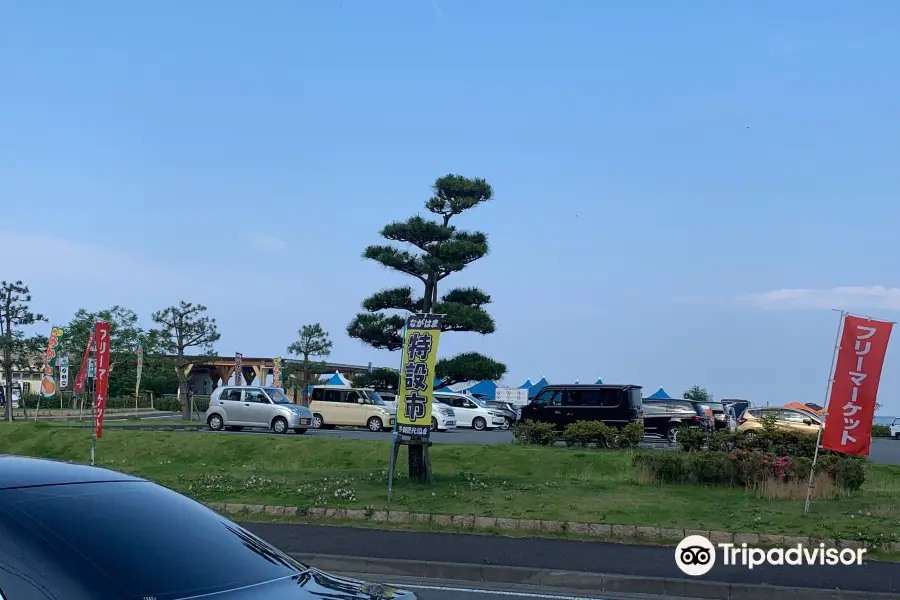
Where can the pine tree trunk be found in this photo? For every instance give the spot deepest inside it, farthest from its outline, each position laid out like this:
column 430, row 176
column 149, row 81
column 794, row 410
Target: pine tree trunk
column 417, row 470
column 183, row 398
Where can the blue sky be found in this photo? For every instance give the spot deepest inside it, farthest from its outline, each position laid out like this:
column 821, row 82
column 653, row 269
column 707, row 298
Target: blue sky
column 660, row 169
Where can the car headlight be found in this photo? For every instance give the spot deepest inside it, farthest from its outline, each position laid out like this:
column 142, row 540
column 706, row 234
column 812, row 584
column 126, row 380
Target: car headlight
column 445, row 411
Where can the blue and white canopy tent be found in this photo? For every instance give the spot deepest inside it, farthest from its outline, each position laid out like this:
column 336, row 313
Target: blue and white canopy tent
column 598, row 382
column 336, row 379
column 483, row 389
column 533, row 390
column 526, row 385
column 659, row 394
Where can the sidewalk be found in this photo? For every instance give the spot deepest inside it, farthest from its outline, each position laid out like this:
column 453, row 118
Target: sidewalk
column 543, row 554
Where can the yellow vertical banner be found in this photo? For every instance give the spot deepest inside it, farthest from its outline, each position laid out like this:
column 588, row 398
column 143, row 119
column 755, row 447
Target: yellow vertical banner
column 416, row 394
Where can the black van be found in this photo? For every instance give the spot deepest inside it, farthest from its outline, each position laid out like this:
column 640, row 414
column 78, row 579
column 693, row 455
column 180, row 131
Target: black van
column 615, row 405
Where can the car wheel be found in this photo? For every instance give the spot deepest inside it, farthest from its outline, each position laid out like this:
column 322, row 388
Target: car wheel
column 215, row 422
column 672, row 434
column 749, row 435
column 279, row 425
column 300, row 430
column 318, row 422
column 434, row 424
column 506, row 424
column 375, row 424
column 479, row 424
column 897, row 436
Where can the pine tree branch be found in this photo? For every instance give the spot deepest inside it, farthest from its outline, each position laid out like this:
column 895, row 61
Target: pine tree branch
column 398, row 260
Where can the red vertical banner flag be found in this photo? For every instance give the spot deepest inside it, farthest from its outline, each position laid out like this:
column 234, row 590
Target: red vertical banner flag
column 82, row 372
column 101, row 387
column 857, row 373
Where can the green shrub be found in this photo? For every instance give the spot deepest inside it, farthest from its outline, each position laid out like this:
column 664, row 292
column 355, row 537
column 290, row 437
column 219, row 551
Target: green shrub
column 665, row 467
column 847, row 471
column 529, row 433
column 692, row 439
column 722, row 441
column 779, row 441
column 710, row 468
column 590, row 433
column 631, row 435
column 881, row 431
column 745, row 468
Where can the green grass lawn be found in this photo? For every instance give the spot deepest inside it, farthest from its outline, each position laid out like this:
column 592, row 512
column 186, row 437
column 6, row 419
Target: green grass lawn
column 504, row 481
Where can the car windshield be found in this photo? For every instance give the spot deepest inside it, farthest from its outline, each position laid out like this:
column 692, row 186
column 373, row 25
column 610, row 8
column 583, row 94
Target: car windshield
column 373, row 397
column 810, row 415
column 478, row 401
column 716, row 407
column 278, row 396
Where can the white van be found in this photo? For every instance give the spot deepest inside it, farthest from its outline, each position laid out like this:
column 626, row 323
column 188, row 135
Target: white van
column 470, row 411
column 333, row 405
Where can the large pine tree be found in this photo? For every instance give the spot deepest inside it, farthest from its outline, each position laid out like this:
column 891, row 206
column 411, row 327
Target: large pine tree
column 442, row 250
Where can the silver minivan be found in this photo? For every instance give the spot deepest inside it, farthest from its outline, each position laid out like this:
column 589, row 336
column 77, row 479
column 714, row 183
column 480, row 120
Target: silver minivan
column 239, row 406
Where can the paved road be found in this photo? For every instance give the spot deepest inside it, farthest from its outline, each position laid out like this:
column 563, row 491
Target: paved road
column 439, row 589
column 571, row 555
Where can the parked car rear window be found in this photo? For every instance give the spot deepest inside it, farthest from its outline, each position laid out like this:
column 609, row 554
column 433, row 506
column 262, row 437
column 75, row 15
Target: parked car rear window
column 148, row 540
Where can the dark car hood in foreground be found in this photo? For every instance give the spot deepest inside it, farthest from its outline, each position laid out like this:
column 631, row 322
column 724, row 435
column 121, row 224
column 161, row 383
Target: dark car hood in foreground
column 314, row 584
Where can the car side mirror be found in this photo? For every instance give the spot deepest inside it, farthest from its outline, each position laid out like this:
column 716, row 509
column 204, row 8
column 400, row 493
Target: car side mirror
column 808, row 421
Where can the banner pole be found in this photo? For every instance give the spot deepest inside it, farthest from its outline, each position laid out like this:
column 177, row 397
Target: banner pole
column 93, row 404
column 395, row 431
column 40, row 384
column 812, row 469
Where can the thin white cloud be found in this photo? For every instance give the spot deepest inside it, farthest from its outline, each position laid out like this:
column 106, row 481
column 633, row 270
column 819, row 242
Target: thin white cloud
column 265, row 242
column 64, row 275
column 437, row 9
column 875, row 297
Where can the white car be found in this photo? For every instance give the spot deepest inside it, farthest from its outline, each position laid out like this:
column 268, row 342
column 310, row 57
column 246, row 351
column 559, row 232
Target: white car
column 895, row 429
column 471, row 412
column 442, row 416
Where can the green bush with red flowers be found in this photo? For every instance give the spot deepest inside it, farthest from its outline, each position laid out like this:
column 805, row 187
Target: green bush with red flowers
column 746, row 468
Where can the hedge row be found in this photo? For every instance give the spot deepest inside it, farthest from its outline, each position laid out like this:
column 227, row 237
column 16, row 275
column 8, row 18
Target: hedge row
column 779, row 442
column 165, row 403
column 881, row 431
column 581, row 433
column 746, row 468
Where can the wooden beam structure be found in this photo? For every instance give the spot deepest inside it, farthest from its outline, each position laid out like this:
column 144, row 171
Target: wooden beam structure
column 222, row 367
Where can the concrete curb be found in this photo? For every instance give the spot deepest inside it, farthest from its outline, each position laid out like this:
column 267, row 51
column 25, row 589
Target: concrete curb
column 664, row 536
column 577, row 580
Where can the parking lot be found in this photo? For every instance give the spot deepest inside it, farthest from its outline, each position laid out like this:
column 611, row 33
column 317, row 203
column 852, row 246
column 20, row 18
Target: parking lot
column 884, row 450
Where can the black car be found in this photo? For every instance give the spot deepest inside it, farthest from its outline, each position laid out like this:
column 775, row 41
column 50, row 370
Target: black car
column 615, row 405
column 666, row 417
column 73, row 532
column 703, row 412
